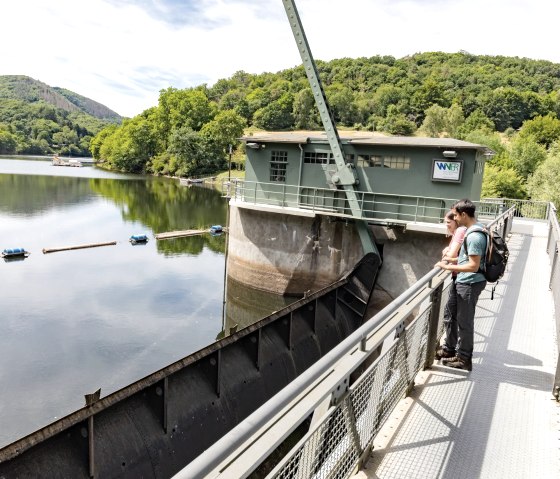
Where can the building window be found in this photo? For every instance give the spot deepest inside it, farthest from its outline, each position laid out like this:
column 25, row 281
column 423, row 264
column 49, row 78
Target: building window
column 371, row 161
column 396, row 162
column 478, row 167
column 323, row 158
column 376, row 161
column 278, row 163
column 320, row 158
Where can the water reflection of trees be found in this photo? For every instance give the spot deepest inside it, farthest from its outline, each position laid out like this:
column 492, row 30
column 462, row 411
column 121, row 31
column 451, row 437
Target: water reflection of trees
column 160, row 204
column 163, row 205
column 192, row 244
column 30, row 195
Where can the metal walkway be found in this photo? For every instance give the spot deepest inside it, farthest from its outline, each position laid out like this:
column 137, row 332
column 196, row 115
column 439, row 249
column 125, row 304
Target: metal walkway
column 501, row 420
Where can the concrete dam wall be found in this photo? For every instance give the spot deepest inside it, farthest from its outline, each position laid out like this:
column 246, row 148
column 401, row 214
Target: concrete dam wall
column 288, row 254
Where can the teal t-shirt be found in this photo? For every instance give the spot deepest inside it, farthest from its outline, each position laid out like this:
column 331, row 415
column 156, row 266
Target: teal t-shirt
column 477, row 247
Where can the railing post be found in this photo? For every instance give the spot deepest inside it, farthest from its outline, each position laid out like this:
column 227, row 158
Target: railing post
column 314, row 198
column 553, row 266
column 556, row 387
column 362, row 194
column 433, row 326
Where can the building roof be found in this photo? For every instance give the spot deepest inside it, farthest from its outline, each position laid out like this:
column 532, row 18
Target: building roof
column 361, row 138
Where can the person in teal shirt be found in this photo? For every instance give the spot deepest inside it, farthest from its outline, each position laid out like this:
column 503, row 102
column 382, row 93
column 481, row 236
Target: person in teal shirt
column 457, row 350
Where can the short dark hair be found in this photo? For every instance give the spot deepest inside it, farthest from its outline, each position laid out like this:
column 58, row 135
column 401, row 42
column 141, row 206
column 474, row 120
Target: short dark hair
column 465, row 206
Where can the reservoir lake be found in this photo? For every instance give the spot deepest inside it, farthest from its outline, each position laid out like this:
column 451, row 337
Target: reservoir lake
column 75, row 321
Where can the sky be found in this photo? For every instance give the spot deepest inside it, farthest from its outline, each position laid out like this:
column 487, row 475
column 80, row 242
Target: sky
column 121, row 53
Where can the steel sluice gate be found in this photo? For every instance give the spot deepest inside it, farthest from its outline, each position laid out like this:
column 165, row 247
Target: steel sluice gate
column 157, row 425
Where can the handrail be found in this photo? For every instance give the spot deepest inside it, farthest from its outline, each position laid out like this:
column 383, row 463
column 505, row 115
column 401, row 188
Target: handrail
column 360, row 346
column 373, row 206
column 553, row 249
column 214, row 455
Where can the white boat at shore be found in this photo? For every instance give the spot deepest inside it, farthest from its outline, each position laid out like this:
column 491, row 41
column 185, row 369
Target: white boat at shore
column 190, row 181
column 57, row 161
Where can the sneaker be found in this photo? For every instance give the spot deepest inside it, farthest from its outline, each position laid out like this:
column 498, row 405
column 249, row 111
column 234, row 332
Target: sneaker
column 442, row 353
column 458, row 362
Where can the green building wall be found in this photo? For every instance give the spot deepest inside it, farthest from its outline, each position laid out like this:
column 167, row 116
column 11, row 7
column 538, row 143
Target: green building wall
column 415, row 181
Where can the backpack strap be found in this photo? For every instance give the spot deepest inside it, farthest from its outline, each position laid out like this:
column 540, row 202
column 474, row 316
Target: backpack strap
column 488, row 244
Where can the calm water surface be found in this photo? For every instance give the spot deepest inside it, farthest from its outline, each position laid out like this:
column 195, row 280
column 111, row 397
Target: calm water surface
column 75, row 321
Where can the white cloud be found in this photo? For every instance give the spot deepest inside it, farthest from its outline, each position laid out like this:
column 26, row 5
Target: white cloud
column 121, row 53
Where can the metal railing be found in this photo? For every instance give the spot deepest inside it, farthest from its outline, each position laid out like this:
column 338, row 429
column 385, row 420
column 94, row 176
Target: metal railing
column 342, row 400
column 538, row 210
column 380, row 207
column 554, row 283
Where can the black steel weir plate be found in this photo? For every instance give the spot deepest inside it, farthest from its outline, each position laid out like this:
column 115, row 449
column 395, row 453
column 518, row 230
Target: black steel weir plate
column 156, row 426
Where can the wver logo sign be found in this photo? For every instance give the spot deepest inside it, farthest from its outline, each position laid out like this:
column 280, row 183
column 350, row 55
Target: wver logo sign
column 446, row 170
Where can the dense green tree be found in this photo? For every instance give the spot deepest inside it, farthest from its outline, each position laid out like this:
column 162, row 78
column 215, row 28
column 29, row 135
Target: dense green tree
column 99, row 139
column 476, row 121
column 8, row 141
column 277, row 115
column 509, row 107
column 194, row 153
column 385, row 96
column 397, row 123
column 526, row 155
column 545, row 130
column 178, row 108
column 341, row 101
column 225, row 129
column 543, row 185
column 502, row 183
column 454, row 120
column 435, row 122
column 305, row 113
column 458, row 95
column 431, row 92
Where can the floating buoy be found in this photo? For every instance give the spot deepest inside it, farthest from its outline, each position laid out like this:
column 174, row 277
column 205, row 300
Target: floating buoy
column 15, row 252
column 135, row 239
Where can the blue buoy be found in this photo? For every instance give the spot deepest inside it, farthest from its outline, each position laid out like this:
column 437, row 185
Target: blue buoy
column 216, row 229
column 13, row 252
column 135, row 239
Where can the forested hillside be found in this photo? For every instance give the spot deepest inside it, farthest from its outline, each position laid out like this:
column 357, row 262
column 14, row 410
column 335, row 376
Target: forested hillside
column 509, row 104
column 38, row 119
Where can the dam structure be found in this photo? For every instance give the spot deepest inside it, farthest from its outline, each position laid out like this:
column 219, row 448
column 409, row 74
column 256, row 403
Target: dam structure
column 304, row 214
column 345, row 223
column 378, row 406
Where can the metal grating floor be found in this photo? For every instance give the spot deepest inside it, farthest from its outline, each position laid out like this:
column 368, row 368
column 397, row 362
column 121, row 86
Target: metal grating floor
column 501, row 420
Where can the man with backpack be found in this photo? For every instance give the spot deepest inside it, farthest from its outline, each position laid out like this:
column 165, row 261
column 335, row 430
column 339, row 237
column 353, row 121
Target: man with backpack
column 465, row 290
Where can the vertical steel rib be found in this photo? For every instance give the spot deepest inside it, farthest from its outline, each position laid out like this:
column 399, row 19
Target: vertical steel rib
column 345, row 176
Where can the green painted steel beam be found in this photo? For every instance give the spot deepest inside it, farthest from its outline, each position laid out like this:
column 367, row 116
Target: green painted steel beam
column 345, row 177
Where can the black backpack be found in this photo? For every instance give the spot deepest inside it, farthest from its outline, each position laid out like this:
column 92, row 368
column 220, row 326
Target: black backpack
column 496, row 258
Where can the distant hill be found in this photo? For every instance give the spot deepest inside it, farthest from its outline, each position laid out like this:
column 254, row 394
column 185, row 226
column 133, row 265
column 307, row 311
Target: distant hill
column 38, row 119
column 20, row 87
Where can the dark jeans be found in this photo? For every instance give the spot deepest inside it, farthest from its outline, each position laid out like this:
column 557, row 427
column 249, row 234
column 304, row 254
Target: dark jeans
column 458, row 317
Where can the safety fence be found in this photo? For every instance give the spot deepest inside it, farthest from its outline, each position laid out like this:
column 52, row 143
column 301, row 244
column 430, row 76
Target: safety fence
column 340, row 403
column 554, row 283
column 538, row 210
column 378, row 207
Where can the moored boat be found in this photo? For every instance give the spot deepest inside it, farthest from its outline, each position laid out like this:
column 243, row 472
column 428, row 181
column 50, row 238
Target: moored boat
column 57, row 161
column 190, row 181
